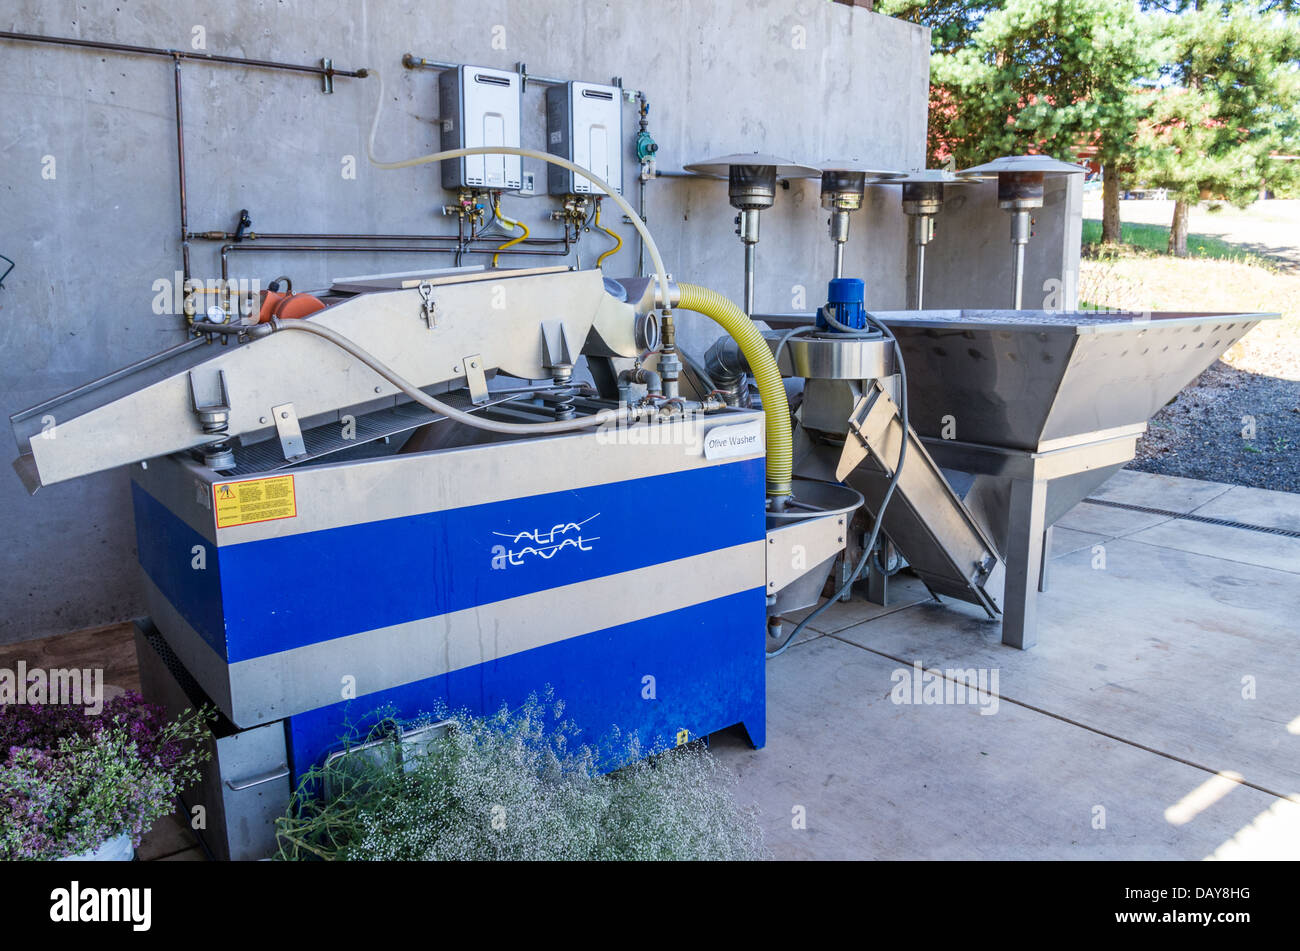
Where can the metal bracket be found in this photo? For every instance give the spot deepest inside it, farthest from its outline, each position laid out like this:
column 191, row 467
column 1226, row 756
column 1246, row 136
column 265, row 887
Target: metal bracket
column 286, row 424
column 476, row 378
column 215, row 417
column 215, row 420
column 428, row 308
column 327, row 77
column 556, row 351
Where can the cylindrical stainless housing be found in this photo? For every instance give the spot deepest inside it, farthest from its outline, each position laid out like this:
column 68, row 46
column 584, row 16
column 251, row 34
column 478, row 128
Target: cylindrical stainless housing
column 751, row 186
column 843, row 190
column 1020, row 190
column 922, row 198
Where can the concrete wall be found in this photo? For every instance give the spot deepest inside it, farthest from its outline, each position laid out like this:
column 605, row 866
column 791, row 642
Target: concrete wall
column 89, row 208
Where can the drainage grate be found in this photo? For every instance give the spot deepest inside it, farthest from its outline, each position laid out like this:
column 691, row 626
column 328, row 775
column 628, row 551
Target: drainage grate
column 1189, row 517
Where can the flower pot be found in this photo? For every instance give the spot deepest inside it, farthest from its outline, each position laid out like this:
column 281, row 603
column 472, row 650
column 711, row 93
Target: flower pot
column 118, row 849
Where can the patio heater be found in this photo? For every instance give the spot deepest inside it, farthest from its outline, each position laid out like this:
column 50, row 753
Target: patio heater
column 844, row 183
column 923, row 192
column 1020, row 190
column 751, row 187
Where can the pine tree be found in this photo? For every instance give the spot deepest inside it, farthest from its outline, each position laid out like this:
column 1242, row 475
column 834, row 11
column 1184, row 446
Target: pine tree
column 1227, row 109
column 1048, row 76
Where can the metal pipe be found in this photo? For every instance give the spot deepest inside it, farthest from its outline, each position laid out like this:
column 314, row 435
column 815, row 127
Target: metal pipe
column 749, row 278
column 918, row 287
column 411, row 61
column 180, row 174
column 228, row 249
column 640, row 245
column 726, row 366
column 1018, row 277
column 338, row 236
column 747, row 227
column 921, row 223
column 1020, row 233
column 326, row 71
column 652, row 380
column 839, row 231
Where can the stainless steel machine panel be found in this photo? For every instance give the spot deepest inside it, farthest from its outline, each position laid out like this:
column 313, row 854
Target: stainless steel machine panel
column 98, row 425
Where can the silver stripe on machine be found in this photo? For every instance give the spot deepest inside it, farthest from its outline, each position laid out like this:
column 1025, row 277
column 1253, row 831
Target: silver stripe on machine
column 311, row 676
column 414, row 484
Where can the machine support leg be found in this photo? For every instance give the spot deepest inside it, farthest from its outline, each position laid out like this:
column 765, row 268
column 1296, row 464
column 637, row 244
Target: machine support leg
column 843, row 569
column 877, row 585
column 1024, row 557
column 1047, row 558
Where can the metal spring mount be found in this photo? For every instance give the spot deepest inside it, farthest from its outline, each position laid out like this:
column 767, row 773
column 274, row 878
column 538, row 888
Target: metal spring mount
column 215, row 420
column 564, row 407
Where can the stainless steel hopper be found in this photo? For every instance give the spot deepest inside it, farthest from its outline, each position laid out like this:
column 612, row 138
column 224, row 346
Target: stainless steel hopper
column 1035, row 409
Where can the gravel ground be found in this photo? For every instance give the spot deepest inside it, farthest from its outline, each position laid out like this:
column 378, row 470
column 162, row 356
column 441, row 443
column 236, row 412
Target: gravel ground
column 1200, row 434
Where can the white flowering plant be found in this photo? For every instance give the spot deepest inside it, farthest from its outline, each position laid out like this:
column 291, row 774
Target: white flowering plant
column 516, row 786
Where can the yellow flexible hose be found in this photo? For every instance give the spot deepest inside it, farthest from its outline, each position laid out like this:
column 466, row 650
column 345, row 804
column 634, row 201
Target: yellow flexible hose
column 776, row 408
column 618, row 241
column 509, row 223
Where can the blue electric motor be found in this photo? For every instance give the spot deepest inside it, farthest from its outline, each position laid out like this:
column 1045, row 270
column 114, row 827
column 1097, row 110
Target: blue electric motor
column 845, row 303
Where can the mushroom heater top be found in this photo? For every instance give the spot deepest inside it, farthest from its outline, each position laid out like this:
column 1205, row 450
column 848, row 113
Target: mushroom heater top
column 844, row 184
column 1021, row 180
column 751, row 186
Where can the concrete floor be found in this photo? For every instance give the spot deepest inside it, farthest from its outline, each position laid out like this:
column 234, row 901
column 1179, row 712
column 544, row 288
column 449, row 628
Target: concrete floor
column 1158, row 717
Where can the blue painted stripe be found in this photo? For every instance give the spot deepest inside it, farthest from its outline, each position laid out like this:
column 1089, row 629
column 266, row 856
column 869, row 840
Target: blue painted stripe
column 166, row 546
column 706, row 660
column 287, row 592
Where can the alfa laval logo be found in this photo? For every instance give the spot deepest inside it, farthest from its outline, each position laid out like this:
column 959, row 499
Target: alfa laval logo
column 541, row 543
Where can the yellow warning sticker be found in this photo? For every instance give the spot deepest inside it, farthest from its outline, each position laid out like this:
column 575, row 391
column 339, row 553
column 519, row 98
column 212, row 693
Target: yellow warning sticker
column 257, row 500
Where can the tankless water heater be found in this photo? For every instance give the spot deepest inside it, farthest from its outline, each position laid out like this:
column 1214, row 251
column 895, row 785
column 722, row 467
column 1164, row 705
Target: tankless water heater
column 584, row 123
column 480, row 106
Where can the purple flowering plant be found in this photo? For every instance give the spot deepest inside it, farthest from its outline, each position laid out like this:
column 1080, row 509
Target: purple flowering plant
column 70, row 781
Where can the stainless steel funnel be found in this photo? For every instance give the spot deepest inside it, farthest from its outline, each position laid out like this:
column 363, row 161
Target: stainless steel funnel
column 1029, row 411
